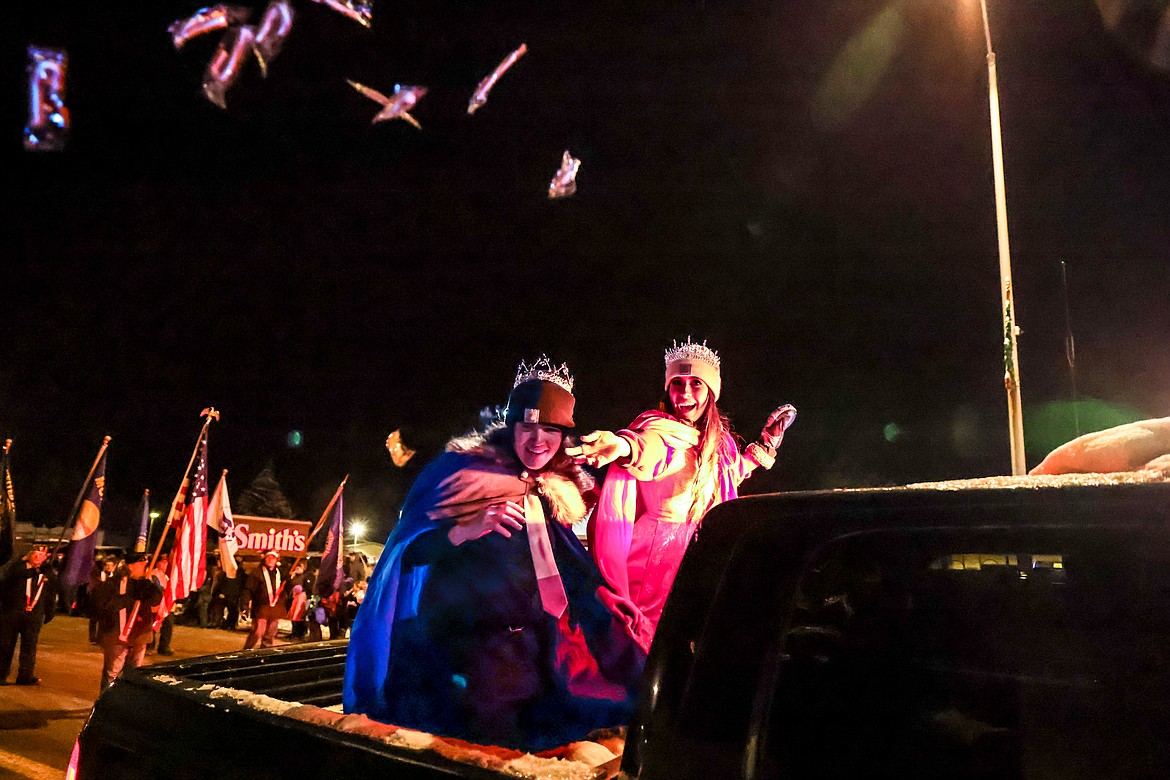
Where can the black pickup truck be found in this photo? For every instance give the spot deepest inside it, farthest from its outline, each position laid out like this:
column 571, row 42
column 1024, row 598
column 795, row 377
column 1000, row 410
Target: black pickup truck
column 1007, row 627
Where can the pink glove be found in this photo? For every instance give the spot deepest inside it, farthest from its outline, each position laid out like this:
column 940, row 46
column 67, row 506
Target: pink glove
column 777, row 424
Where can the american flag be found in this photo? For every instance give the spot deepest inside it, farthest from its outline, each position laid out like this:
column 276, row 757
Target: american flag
column 188, row 562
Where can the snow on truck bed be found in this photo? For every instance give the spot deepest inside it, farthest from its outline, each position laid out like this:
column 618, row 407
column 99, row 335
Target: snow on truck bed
column 577, row 761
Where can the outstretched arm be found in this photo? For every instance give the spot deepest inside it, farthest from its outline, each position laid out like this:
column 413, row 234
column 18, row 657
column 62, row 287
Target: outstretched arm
column 599, row 448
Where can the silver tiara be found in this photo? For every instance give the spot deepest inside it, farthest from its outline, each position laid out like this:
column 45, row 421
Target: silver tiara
column 692, row 351
column 543, row 369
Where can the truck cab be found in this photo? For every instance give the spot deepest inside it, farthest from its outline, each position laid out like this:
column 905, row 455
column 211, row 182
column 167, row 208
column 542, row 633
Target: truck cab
column 1014, row 627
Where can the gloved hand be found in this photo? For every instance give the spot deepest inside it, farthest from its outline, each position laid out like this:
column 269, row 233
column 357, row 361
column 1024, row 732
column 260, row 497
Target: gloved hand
column 599, row 448
column 778, row 422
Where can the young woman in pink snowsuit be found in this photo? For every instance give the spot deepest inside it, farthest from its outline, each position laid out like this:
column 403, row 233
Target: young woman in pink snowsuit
column 670, row 466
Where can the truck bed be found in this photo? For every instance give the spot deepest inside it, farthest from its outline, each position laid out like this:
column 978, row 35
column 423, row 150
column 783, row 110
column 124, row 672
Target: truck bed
column 284, row 704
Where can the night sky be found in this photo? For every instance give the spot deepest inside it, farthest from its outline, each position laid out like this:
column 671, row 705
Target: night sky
column 806, row 185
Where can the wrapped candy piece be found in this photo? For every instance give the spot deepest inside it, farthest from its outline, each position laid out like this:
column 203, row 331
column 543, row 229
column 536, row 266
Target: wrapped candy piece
column 227, row 63
column 273, row 29
column 205, row 20
column 361, row 11
column 397, row 107
column 48, row 117
column 564, row 182
column 481, row 92
column 238, row 43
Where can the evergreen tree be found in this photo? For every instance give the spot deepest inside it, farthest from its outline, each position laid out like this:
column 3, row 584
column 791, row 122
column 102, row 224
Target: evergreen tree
column 264, row 497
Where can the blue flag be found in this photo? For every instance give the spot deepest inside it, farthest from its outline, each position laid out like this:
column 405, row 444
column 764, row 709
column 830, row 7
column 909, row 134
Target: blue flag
column 79, row 561
column 330, row 574
column 144, row 523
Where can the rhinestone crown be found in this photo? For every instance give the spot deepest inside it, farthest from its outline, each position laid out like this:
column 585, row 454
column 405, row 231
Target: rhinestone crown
column 689, row 350
column 543, row 369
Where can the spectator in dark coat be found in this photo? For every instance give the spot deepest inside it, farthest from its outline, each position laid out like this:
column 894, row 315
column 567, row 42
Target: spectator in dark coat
column 28, row 593
column 203, row 596
column 230, row 592
column 103, row 569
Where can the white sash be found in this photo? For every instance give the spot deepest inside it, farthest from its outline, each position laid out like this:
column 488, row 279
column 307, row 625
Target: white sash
column 273, row 588
column 548, row 578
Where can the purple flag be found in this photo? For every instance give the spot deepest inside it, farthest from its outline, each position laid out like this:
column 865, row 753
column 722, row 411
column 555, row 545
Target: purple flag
column 330, row 574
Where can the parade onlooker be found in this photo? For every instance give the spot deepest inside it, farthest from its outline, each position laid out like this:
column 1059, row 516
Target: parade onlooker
column 337, row 610
column 265, row 589
column 166, row 629
column 28, row 593
column 317, row 617
column 357, row 567
column 231, row 592
column 300, row 582
column 114, row 601
column 103, row 569
column 203, row 596
column 483, row 619
column 354, row 599
column 670, row 466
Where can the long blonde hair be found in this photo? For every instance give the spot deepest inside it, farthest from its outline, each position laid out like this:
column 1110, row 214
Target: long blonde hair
column 714, row 428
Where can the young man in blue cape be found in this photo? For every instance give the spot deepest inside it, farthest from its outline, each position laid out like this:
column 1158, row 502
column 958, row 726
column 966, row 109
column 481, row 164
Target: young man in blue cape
column 486, row 619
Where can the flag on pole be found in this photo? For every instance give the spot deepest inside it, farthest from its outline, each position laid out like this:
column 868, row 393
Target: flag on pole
column 219, row 519
column 7, row 509
column 188, row 562
column 144, row 522
column 79, row 556
column 330, row 574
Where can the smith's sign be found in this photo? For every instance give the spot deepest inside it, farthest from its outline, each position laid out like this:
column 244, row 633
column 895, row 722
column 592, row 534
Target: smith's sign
column 260, row 534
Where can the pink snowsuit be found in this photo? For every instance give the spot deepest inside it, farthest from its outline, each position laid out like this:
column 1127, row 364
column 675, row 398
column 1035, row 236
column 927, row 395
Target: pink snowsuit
column 641, row 528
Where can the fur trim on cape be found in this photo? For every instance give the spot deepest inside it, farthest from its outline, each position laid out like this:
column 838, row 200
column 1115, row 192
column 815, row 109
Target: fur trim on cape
column 565, row 487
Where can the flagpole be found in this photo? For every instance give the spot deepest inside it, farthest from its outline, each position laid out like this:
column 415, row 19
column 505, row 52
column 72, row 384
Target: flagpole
column 145, row 539
column 211, row 413
column 321, row 522
column 80, row 496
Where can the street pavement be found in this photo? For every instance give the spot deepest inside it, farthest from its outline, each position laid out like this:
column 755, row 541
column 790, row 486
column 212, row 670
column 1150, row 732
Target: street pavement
column 39, row 723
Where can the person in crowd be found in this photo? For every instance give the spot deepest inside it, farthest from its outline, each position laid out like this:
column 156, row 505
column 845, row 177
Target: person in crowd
column 72, row 599
column 218, row 609
column 300, row 584
column 352, row 599
column 203, row 596
column 267, row 592
column 28, row 600
column 103, row 569
column 484, row 619
column 337, row 609
column 114, row 601
column 356, row 567
column 166, row 628
column 670, row 467
column 231, row 590
column 316, row 615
